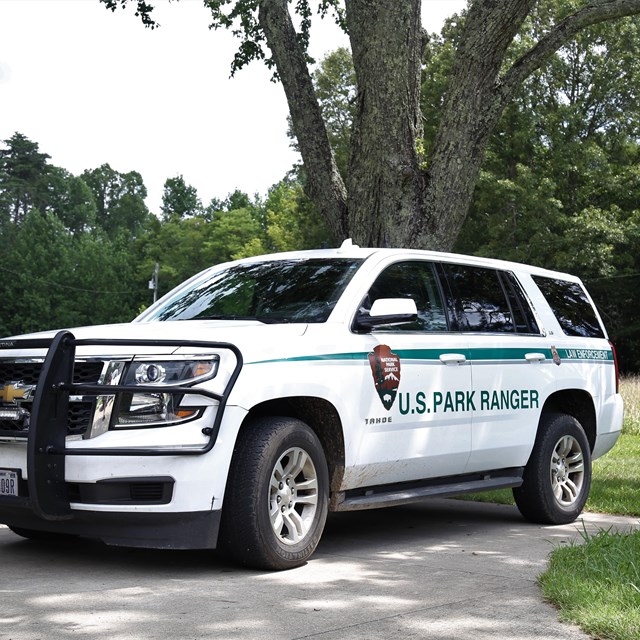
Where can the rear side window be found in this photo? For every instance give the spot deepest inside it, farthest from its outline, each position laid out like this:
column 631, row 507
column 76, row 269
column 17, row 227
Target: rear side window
column 572, row 308
column 479, row 299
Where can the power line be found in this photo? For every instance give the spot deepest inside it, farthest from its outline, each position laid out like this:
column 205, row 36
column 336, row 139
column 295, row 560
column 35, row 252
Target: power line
column 623, row 275
column 66, row 286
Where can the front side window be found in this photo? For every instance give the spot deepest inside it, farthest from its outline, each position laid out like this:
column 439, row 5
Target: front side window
column 415, row 280
column 570, row 305
column 277, row 291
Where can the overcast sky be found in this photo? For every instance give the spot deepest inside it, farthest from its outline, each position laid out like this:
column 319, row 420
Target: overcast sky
column 94, row 87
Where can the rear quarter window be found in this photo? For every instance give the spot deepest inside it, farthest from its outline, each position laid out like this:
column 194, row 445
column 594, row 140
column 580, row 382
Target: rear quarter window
column 570, row 305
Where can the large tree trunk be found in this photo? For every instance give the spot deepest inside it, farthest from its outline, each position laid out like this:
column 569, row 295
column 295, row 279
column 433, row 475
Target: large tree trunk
column 391, row 199
column 385, row 181
column 470, row 114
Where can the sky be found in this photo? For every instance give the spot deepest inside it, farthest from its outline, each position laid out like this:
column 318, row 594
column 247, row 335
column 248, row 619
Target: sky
column 94, row 87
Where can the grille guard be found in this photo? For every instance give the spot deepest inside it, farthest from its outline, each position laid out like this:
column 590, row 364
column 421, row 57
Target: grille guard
column 46, row 449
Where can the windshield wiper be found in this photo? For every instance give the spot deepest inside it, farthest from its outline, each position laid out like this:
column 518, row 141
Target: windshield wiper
column 222, row 317
column 262, row 319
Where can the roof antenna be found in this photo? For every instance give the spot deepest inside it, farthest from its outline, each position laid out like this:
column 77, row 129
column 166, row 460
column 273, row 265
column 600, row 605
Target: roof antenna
column 348, row 244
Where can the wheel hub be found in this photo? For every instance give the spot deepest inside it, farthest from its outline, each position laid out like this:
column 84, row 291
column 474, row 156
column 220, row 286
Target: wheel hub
column 285, row 495
column 567, row 471
column 293, row 496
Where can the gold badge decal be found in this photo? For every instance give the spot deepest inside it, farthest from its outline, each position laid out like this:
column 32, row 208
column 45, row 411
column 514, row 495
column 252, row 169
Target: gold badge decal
column 10, row 392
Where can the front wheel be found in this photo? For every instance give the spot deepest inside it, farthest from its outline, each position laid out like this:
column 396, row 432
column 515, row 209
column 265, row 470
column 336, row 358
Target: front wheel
column 557, row 477
column 276, row 500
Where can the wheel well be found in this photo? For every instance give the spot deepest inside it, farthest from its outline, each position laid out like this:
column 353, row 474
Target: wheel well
column 576, row 403
column 322, row 417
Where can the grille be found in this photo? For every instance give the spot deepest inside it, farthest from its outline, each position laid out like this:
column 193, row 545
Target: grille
column 147, row 492
column 80, row 413
column 29, row 372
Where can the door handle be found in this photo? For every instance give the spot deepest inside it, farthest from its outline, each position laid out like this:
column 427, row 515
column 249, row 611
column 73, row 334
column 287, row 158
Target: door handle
column 535, row 357
column 452, row 358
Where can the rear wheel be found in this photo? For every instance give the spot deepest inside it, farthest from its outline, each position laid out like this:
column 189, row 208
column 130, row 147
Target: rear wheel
column 557, row 477
column 276, row 500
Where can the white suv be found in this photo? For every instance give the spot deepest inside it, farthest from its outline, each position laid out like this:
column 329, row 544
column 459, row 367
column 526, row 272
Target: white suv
column 261, row 394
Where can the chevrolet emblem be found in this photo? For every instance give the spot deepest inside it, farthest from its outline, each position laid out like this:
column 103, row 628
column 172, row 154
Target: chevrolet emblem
column 11, row 391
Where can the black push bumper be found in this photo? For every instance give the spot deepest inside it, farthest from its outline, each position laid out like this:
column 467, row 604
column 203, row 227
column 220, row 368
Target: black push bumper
column 48, row 497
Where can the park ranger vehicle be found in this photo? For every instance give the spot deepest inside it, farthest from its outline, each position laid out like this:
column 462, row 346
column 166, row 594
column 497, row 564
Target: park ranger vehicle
column 249, row 402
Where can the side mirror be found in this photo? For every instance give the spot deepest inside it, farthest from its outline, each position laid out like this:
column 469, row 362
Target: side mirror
column 387, row 311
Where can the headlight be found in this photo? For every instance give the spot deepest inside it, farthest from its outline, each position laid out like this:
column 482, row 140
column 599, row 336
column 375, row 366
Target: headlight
column 146, row 409
column 167, row 372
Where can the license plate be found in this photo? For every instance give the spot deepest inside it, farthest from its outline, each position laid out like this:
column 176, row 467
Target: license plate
column 8, row 483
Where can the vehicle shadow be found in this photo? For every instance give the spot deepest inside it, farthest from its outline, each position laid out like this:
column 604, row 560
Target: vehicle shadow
column 432, row 522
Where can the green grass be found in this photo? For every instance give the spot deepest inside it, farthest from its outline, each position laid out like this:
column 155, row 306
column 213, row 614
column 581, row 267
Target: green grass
column 630, row 390
column 597, row 584
column 615, row 487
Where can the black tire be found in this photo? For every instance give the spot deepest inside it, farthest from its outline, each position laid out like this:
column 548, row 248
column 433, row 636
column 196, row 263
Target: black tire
column 277, row 494
column 557, row 477
column 42, row 536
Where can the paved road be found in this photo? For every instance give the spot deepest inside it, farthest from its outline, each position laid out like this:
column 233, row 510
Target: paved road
column 444, row 569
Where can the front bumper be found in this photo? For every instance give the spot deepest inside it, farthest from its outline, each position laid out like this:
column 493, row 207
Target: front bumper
column 48, row 495
column 186, row 530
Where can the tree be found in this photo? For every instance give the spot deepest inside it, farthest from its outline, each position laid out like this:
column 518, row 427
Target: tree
column 557, row 184
column 391, row 195
column 119, row 199
column 179, row 200
column 291, row 220
column 23, row 178
column 71, row 200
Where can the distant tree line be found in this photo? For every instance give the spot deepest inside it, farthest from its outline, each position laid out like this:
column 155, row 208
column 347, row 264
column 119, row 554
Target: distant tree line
column 78, row 250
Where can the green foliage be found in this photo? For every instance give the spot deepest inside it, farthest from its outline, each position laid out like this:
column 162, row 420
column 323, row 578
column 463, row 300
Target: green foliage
column 119, row 199
column 23, row 178
column 558, row 181
column 335, row 85
column 52, row 278
column 179, row 200
column 241, row 18
column 71, row 200
column 292, row 222
column 596, row 584
column 85, row 255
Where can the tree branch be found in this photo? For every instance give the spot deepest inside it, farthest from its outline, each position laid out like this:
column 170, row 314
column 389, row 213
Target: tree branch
column 324, row 183
column 595, row 12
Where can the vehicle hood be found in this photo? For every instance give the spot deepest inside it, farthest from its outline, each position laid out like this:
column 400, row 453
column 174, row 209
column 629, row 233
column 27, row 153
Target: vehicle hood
column 250, row 337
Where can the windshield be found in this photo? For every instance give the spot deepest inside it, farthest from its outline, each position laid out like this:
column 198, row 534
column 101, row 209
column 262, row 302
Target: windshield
column 273, row 292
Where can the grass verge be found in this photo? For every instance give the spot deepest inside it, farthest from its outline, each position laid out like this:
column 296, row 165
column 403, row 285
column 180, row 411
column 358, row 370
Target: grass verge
column 597, row 584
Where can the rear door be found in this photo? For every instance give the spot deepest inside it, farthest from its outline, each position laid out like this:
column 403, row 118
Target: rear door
column 511, row 364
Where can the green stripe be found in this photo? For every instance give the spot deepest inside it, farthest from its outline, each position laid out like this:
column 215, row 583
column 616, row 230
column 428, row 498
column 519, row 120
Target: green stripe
column 473, row 355
column 602, row 355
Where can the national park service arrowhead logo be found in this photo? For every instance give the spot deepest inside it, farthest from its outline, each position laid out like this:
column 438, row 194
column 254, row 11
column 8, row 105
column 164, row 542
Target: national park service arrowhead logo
column 556, row 356
column 385, row 368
